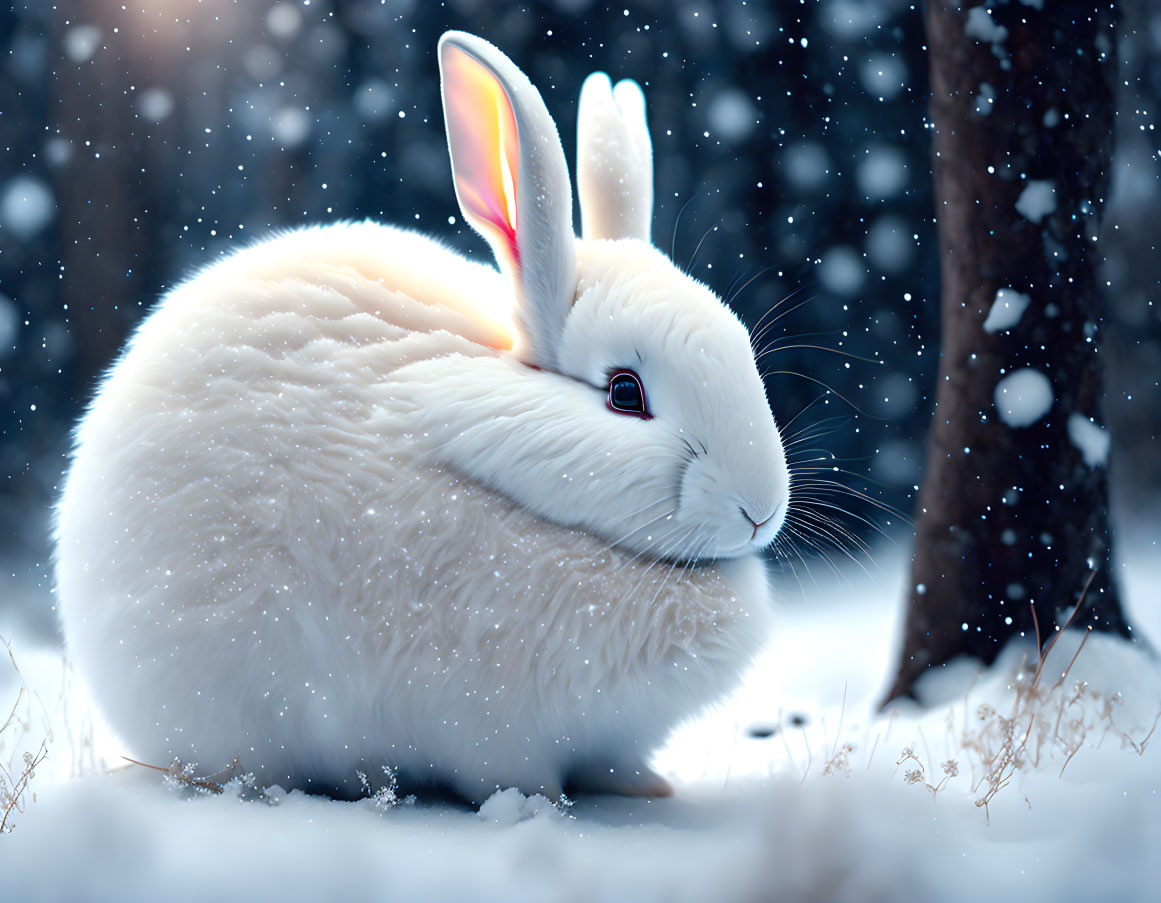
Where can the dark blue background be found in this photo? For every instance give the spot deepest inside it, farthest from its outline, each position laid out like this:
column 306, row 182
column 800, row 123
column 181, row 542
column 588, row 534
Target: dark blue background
column 791, row 146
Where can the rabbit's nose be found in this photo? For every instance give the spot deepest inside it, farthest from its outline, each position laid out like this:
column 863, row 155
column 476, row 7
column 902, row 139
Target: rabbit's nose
column 758, row 525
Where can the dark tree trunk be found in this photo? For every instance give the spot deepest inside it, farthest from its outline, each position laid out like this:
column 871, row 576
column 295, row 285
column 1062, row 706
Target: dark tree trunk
column 1014, row 514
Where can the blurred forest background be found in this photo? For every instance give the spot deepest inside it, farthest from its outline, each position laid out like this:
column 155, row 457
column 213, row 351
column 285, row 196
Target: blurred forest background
column 139, row 141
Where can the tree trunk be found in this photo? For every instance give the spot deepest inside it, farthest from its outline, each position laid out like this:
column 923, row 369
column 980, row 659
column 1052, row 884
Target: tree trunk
column 1013, row 508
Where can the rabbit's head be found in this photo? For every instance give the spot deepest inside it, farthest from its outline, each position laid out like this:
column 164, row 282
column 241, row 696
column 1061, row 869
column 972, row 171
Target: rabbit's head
column 639, row 414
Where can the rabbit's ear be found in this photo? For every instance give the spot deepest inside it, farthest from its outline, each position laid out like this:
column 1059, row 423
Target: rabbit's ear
column 512, row 184
column 614, row 160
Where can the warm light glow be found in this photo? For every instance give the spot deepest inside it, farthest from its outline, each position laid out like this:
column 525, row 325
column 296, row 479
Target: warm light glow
column 485, row 149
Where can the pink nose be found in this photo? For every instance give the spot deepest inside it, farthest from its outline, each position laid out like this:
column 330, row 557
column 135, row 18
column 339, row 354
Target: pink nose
column 757, row 526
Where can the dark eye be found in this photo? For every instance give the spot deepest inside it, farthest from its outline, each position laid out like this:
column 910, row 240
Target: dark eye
column 626, row 395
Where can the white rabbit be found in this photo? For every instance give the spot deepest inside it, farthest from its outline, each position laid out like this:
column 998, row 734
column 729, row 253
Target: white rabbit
column 349, row 499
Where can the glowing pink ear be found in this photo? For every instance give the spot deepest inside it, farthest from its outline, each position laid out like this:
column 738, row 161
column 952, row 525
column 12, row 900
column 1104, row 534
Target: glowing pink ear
column 485, row 150
column 512, row 184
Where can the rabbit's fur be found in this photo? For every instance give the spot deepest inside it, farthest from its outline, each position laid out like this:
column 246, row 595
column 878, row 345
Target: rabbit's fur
column 323, row 516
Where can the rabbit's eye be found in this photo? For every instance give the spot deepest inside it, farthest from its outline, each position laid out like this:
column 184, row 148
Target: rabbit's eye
column 626, row 395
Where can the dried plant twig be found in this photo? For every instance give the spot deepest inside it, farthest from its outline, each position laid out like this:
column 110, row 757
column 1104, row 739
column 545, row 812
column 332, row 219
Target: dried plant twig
column 184, row 774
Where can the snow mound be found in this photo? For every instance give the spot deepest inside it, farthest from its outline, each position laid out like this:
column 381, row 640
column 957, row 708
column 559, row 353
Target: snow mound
column 796, row 788
column 509, row 807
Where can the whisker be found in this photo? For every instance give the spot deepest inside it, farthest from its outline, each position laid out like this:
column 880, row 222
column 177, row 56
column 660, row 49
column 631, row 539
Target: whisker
column 828, row 527
column 828, row 388
column 756, row 332
column 822, row 553
column 818, row 430
column 665, row 580
column 656, row 544
column 693, row 257
column 661, row 558
column 793, row 533
column 837, row 419
column 642, row 526
column 729, row 292
column 834, row 468
column 838, row 351
column 676, row 223
column 794, row 336
column 769, row 325
column 648, row 550
column 732, row 295
column 815, row 530
column 807, row 503
column 842, row 488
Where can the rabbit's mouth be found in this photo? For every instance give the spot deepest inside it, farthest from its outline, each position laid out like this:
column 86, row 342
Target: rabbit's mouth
column 732, row 520
column 765, row 530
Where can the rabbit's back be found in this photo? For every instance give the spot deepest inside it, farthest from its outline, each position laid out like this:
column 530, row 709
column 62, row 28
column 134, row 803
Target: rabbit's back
column 230, row 467
column 263, row 375
column 324, row 294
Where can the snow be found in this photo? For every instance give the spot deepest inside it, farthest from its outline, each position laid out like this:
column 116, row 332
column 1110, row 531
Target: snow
column 982, row 27
column 732, row 117
column 842, row 270
column 897, row 463
column 374, row 100
column 985, row 99
column 852, row 19
column 284, row 20
column 57, row 151
column 26, row 206
column 155, row 104
column 882, row 172
column 9, row 324
column 1037, row 200
column 509, row 807
column 81, row 42
column 1023, row 397
column 806, row 164
column 890, row 246
column 817, row 809
column 290, row 126
column 1006, row 310
column 1090, row 438
column 263, row 63
column 883, row 75
column 896, row 395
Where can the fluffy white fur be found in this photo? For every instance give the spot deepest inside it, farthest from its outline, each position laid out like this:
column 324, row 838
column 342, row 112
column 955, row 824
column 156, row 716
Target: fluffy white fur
column 545, row 269
column 321, row 518
column 614, row 160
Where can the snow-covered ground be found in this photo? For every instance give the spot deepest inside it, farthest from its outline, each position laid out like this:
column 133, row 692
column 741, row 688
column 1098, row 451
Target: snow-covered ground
column 791, row 790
